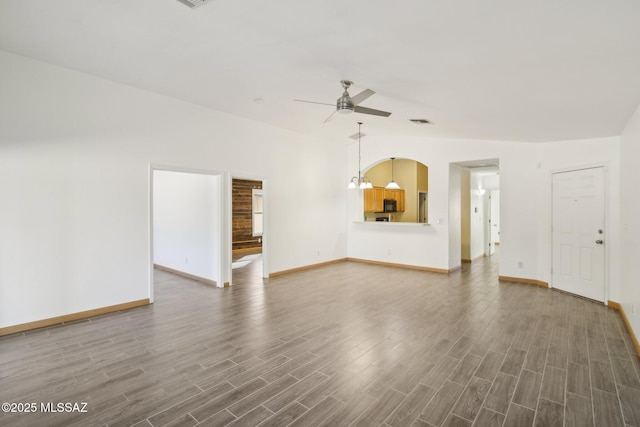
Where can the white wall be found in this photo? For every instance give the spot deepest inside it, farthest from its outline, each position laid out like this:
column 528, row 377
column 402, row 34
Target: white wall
column 430, row 246
column 519, row 214
column 629, row 296
column 490, row 182
column 186, row 217
column 75, row 154
column 525, row 195
column 455, row 217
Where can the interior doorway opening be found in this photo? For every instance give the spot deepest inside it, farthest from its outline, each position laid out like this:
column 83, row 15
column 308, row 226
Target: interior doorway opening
column 479, row 208
column 423, row 207
column 247, row 219
column 186, row 220
column 492, row 221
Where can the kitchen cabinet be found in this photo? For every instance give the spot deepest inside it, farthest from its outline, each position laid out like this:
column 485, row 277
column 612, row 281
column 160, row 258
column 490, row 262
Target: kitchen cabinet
column 398, row 196
column 374, row 199
column 400, row 200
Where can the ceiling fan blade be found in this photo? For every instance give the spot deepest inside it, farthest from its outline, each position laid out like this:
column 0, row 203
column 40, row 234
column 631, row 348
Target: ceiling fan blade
column 313, row 102
column 330, row 117
column 365, row 110
column 357, row 99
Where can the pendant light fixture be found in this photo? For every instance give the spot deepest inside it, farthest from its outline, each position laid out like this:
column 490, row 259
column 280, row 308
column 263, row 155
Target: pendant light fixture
column 392, row 185
column 359, row 181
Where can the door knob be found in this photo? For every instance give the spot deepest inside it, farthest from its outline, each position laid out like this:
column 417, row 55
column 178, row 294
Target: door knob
column 599, row 241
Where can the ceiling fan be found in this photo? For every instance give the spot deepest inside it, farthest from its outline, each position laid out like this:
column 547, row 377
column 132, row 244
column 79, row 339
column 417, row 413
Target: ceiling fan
column 349, row 104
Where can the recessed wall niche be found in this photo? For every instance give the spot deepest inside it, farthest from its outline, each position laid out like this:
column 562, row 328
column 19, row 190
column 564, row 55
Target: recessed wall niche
column 413, row 178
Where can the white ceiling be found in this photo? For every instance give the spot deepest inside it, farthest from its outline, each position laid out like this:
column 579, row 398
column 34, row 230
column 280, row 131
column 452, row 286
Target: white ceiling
column 513, row 70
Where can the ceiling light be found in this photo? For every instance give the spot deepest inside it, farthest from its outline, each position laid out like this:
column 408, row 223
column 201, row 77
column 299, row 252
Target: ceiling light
column 392, row 185
column 344, row 105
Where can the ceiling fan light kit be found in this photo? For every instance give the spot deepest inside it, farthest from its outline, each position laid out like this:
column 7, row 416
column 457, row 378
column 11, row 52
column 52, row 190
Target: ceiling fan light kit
column 344, row 104
column 193, row 3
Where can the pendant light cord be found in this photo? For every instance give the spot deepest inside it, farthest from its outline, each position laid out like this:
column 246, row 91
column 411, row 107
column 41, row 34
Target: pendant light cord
column 359, row 155
column 393, row 178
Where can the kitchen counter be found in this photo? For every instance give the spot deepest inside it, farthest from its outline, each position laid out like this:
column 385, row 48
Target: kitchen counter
column 385, row 223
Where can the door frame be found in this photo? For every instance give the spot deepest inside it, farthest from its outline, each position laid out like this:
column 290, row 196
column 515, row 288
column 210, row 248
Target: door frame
column 426, row 206
column 489, row 244
column 607, row 223
column 495, row 224
column 265, row 218
column 224, row 224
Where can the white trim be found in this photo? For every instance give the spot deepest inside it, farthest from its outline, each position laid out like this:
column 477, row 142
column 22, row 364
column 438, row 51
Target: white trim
column 150, row 235
column 184, row 170
column 265, row 218
column 226, row 229
column 157, row 167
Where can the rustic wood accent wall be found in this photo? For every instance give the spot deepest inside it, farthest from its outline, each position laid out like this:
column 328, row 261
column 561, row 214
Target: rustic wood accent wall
column 241, row 215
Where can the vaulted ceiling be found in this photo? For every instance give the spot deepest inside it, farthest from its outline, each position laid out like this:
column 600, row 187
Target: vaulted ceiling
column 512, row 70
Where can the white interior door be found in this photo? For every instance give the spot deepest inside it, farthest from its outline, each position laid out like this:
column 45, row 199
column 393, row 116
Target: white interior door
column 578, row 232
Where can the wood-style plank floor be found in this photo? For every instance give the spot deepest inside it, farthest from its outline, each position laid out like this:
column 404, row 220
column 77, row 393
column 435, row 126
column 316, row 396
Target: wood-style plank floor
column 346, row 344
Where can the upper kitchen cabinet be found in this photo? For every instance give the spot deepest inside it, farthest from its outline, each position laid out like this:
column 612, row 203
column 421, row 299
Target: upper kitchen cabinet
column 374, row 199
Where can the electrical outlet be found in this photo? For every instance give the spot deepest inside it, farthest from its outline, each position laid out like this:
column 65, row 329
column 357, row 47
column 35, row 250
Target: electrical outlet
column 388, row 251
column 318, row 252
column 186, row 260
column 520, row 264
column 633, row 309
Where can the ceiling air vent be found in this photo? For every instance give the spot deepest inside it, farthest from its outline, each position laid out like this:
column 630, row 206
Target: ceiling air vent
column 420, row 121
column 194, row 3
